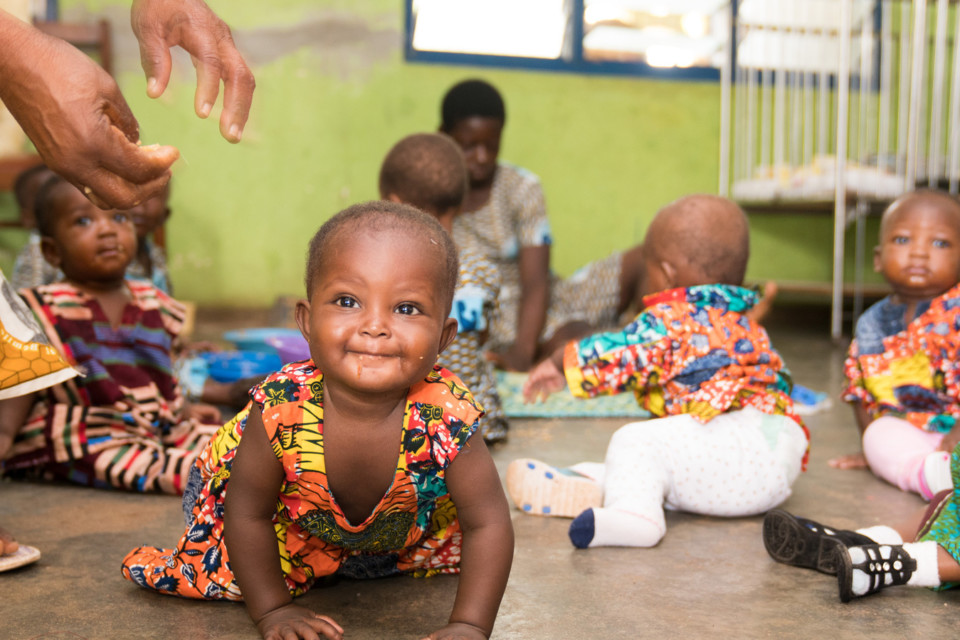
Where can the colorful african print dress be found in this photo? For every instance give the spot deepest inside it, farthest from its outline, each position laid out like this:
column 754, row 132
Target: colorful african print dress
column 691, row 351
column 121, row 425
column 908, row 370
column 474, row 303
column 941, row 522
column 414, row 529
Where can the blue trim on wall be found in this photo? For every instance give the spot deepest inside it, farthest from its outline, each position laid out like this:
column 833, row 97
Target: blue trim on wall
column 576, row 63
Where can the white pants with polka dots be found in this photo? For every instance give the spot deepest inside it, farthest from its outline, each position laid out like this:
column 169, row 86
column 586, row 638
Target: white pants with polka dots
column 740, row 463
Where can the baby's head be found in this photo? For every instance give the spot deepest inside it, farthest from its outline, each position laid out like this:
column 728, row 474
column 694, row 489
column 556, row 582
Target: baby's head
column 919, row 250
column 25, row 190
column 698, row 239
column 380, row 280
column 473, row 114
column 90, row 245
column 427, row 171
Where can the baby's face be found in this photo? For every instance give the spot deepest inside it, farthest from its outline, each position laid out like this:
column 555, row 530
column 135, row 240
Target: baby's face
column 919, row 250
column 87, row 243
column 376, row 318
column 149, row 214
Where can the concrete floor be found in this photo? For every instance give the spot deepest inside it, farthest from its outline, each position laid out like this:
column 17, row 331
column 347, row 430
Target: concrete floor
column 708, row 578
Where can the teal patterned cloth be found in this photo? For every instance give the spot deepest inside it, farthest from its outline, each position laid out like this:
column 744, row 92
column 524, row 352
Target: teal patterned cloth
column 563, row 404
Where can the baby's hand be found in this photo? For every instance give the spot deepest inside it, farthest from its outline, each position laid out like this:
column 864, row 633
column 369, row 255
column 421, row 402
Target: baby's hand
column 203, row 413
column 457, row 631
column 293, row 621
column 542, row 381
column 849, row 461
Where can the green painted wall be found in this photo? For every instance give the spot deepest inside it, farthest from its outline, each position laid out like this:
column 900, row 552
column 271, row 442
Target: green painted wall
column 610, row 151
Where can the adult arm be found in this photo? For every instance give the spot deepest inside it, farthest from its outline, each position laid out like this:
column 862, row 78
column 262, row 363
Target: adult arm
column 76, row 117
column 487, row 552
column 534, row 263
column 190, row 24
column 255, row 479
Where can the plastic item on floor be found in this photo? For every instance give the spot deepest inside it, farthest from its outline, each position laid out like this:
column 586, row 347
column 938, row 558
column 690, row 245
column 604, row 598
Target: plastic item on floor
column 230, row 366
column 807, row 401
column 21, row 557
column 291, row 348
column 256, row 339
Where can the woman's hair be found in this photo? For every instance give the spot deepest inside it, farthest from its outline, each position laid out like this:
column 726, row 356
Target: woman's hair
column 468, row 99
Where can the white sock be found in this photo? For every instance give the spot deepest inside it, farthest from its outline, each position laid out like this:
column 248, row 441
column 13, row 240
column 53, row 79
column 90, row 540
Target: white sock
column 928, row 566
column 593, row 470
column 602, row 527
column 936, row 473
column 882, row 534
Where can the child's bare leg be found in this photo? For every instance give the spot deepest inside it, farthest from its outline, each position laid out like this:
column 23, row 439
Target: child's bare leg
column 7, row 543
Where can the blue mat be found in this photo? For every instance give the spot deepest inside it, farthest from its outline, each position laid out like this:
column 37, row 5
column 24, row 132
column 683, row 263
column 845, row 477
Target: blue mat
column 562, row 404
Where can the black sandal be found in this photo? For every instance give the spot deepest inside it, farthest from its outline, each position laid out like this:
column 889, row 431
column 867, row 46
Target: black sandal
column 884, row 565
column 804, row 543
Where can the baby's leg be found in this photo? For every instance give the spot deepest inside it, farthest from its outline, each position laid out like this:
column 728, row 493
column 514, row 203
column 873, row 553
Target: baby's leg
column 906, row 456
column 636, row 475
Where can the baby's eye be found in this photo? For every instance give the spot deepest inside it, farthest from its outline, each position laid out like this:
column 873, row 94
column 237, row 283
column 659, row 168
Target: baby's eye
column 407, row 309
column 900, row 240
column 83, row 221
column 121, row 217
column 347, row 302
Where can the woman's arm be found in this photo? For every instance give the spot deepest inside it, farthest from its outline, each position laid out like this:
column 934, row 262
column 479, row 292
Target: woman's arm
column 532, row 312
column 487, row 542
column 255, row 480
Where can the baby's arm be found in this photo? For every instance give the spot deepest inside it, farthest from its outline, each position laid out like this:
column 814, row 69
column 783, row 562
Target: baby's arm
column 251, row 542
column 13, row 415
column 546, row 378
column 487, row 542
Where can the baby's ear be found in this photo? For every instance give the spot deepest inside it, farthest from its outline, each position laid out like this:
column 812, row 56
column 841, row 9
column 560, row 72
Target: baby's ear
column 50, row 250
column 669, row 272
column 448, row 333
column 877, row 263
column 302, row 314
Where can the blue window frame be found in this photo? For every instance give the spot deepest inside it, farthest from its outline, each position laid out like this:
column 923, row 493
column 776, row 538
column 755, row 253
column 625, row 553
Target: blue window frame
column 675, row 39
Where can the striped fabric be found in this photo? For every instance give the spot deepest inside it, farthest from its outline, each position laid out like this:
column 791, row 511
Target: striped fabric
column 122, row 424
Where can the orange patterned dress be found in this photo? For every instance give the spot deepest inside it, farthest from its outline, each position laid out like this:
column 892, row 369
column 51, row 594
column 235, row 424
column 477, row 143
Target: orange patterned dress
column 414, row 529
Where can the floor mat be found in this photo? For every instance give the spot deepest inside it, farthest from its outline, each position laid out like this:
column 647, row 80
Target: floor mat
column 562, row 404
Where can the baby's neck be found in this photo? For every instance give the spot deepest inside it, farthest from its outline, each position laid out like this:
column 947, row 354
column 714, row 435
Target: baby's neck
column 112, row 296
column 363, row 409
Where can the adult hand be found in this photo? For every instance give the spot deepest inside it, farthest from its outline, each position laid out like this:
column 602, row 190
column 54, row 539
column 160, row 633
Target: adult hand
column 162, row 24
column 76, row 117
column 513, row 359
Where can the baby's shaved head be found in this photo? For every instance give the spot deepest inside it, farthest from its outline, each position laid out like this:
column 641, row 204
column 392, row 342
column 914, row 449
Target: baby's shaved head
column 930, row 199
column 380, row 215
column 707, row 236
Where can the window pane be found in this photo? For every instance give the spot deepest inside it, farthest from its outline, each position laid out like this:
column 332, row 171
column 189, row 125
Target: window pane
column 522, row 28
column 660, row 33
